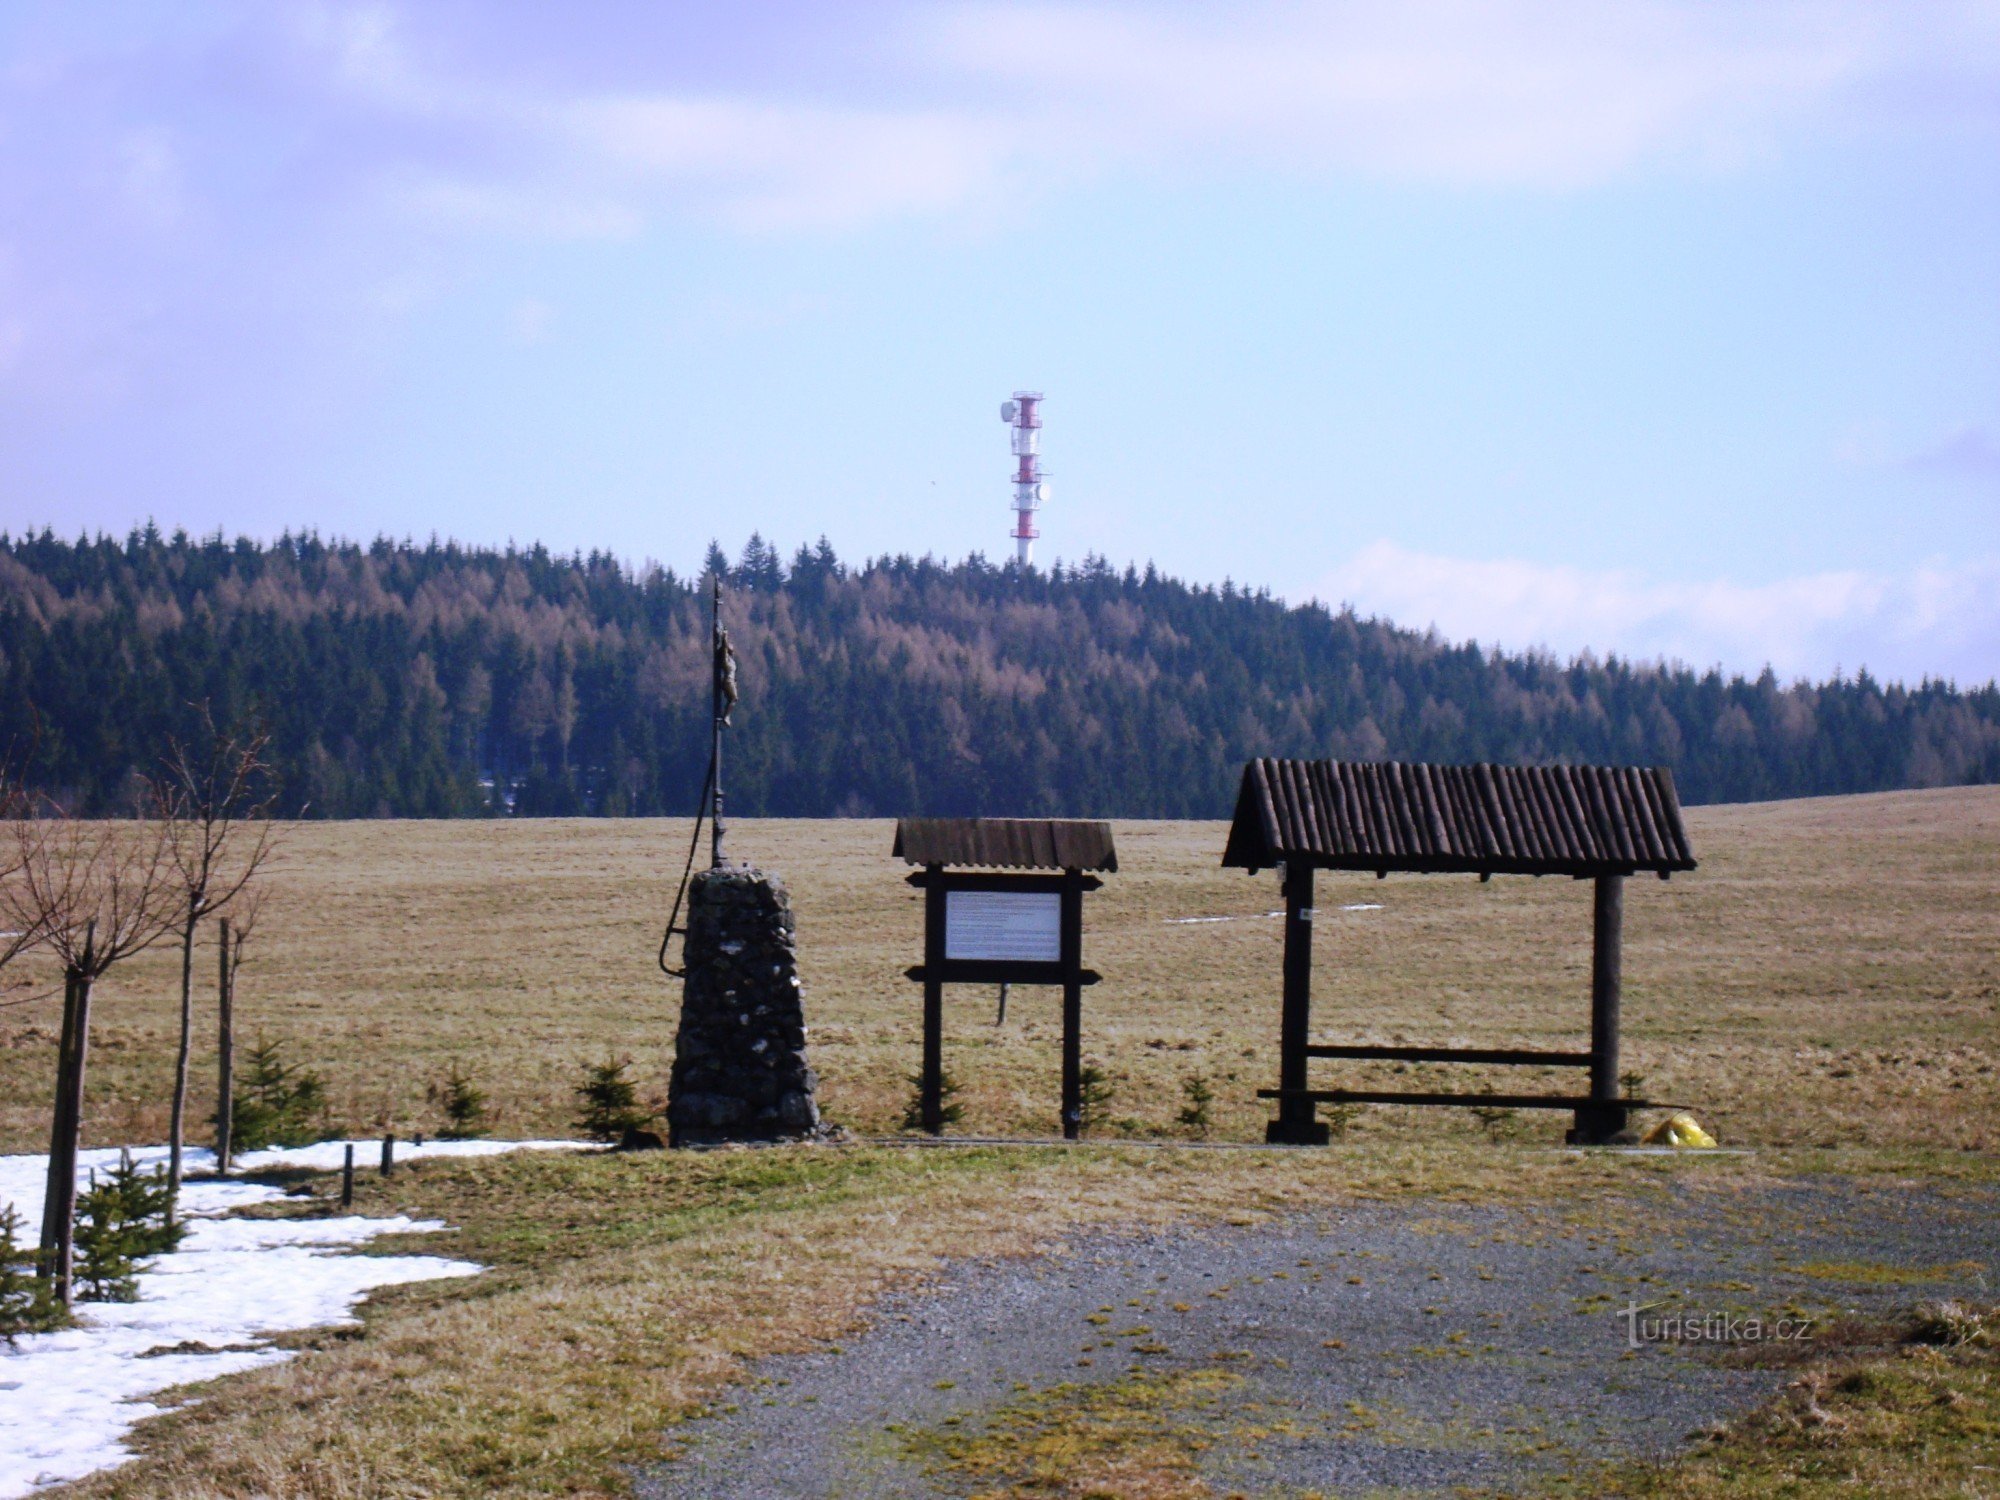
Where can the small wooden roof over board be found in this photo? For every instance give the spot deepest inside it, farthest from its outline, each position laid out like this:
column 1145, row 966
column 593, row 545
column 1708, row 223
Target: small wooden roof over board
column 1484, row 820
column 1007, row 843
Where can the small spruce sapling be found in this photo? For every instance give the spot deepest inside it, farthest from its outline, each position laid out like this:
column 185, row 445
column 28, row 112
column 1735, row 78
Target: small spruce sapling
column 1339, row 1119
column 121, row 1220
column 610, row 1101
column 104, row 1268
column 463, row 1104
column 1194, row 1114
column 277, row 1103
column 950, row 1109
column 143, row 1198
column 1094, row 1087
column 27, row 1303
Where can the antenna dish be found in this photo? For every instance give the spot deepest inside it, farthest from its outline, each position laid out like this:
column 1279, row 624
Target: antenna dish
column 1009, row 410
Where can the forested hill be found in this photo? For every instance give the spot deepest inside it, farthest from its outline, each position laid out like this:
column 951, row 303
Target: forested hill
column 440, row 680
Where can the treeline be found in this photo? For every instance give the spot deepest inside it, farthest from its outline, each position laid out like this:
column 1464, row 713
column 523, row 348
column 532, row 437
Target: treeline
column 447, row 681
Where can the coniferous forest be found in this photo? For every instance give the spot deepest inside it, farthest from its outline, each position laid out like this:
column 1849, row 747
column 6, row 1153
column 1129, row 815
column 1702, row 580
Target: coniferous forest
column 444, row 681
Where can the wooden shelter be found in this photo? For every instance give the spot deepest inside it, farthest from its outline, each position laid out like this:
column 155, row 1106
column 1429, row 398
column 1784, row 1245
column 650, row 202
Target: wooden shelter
column 1016, row 917
column 1599, row 823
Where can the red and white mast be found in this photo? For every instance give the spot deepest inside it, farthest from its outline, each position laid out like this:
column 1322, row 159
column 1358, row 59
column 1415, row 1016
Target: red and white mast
column 1024, row 414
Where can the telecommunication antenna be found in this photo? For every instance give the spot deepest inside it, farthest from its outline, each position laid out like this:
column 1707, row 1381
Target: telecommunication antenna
column 1024, row 415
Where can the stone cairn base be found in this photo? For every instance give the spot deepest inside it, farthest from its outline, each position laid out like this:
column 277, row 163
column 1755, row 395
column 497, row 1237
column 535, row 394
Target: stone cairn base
column 740, row 1071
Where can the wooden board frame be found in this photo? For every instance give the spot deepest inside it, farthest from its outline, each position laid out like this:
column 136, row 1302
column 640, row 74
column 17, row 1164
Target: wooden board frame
column 936, row 971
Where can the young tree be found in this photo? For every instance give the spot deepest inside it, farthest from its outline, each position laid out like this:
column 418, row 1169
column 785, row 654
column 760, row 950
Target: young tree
column 97, row 892
column 121, row 1221
column 463, row 1103
column 215, row 796
column 609, row 1100
column 25, row 933
column 233, row 934
column 279, row 1103
column 25, row 1303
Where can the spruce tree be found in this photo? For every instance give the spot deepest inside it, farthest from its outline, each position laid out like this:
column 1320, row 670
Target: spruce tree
column 105, row 1269
column 27, row 1304
column 463, row 1103
column 143, row 1198
column 122, row 1219
column 609, row 1100
column 277, row 1103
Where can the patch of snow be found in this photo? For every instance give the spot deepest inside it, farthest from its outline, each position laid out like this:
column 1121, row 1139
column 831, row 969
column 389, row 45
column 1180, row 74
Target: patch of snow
column 68, row 1398
column 1188, row 921
column 326, row 1156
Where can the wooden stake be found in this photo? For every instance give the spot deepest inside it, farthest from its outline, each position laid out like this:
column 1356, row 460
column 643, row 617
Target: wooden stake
column 225, row 1048
column 347, row 1178
column 388, row 1153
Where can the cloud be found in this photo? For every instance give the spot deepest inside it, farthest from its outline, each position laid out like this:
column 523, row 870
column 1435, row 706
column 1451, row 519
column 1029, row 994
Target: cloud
column 1497, row 93
column 765, row 165
column 1935, row 619
column 940, row 110
column 960, row 102
column 1971, row 452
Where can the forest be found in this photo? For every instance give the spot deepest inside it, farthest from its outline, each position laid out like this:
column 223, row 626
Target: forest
column 398, row 679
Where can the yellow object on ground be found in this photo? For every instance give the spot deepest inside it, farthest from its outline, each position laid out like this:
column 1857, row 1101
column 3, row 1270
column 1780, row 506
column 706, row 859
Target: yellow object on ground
column 1680, row 1129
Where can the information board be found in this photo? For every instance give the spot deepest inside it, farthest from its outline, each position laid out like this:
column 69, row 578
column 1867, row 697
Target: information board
column 1024, row 926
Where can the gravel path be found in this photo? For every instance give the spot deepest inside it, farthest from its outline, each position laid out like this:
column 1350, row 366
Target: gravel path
column 1412, row 1347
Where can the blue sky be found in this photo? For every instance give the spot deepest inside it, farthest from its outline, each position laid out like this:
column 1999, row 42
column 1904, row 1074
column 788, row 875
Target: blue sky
column 1653, row 328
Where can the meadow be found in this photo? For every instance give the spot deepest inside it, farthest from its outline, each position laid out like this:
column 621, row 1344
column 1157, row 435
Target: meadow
column 1825, row 989
column 1830, row 976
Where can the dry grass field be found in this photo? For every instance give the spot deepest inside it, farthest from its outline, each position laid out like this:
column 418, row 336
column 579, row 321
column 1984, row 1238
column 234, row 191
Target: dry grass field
column 1825, row 987
column 1829, row 976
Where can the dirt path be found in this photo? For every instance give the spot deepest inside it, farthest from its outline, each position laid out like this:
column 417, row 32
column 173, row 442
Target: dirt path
column 1414, row 1347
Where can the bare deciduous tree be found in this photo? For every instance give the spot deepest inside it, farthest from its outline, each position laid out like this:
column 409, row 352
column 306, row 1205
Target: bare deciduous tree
column 94, row 893
column 21, row 933
column 215, row 798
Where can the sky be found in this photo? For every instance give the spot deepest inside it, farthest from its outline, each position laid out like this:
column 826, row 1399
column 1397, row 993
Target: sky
column 1660, row 329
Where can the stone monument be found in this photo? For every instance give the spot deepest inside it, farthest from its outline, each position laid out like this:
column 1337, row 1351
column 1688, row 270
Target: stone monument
column 740, row 1069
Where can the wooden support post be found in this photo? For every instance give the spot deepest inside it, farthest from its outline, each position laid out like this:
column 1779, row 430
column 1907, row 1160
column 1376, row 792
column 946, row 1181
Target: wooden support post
column 1297, row 1124
column 225, row 1053
column 347, row 1178
column 1072, row 1038
column 931, row 1079
column 1602, row 1122
column 388, row 1153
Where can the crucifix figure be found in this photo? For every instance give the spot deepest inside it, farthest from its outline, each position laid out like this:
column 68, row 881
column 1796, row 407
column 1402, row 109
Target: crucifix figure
column 722, row 702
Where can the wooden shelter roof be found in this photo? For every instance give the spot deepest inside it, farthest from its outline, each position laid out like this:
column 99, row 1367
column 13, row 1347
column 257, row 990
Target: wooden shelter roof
column 1008, row 843
column 1484, row 820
